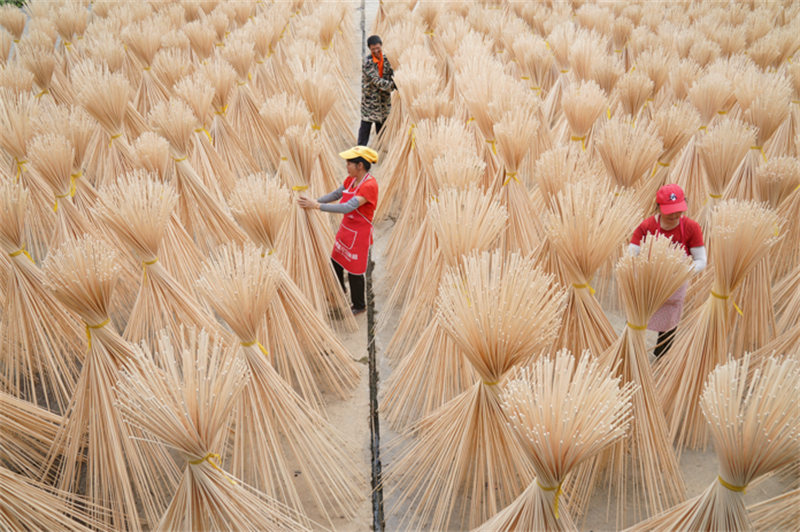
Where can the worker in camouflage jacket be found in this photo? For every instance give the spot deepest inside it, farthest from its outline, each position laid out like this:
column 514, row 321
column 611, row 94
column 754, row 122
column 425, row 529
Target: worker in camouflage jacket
column 377, row 84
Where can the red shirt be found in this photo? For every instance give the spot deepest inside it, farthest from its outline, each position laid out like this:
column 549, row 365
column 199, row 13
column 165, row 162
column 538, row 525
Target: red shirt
column 368, row 191
column 687, row 233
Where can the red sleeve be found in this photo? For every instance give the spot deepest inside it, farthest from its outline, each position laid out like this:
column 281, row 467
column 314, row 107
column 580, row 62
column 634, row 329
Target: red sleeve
column 369, row 191
column 695, row 234
column 642, row 230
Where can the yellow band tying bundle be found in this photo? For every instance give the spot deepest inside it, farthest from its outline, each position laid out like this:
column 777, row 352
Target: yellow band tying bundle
column 113, row 138
column 256, row 342
column 715, row 196
column 98, row 326
column 300, row 188
column 490, row 383
column 42, row 93
column 557, row 489
column 665, row 165
column 413, row 136
column 222, row 110
column 20, row 169
column 525, row 78
column 722, row 112
column 241, row 83
column 761, row 149
column 510, row 176
column 493, row 143
column 316, row 127
column 212, row 458
column 538, row 90
column 179, row 159
column 284, row 158
column 721, row 296
column 204, row 130
column 564, row 70
column 655, row 167
column 58, row 197
column 73, row 179
column 470, row 119
column 21, row 251
column 796, row 102
column 430, row 33
column 738, row 489
column 146, row 263
column 585, row 285
column 582, row 139
column 637, row 327
column 702, row 128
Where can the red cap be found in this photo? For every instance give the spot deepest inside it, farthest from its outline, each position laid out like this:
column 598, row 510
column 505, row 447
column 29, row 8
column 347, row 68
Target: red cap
column 670, row 198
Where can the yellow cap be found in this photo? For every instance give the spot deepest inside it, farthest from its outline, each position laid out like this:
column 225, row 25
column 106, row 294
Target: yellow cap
column 368, row 154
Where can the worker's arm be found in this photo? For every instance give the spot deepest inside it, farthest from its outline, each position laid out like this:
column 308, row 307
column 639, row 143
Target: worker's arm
column 331, row 196
column 371, row 71
column 341, row 208
column 699, row 258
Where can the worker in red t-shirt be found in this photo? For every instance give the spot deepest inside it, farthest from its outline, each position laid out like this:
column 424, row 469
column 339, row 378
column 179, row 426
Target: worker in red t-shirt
column 671, row 222
column 358, row 198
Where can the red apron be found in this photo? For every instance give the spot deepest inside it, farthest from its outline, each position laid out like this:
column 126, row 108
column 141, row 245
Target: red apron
column 351, row 247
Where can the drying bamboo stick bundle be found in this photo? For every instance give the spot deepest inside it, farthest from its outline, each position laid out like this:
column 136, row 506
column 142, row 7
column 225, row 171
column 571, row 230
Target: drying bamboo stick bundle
column 753, row 422
column 227, row 141
column 71, row 22
column 778, row 513
column 515, row 134
column 280, row 112
column 137, row 209
column 682, row 77
column 142, row 42
column 742, row 233
column 6, row 40
column 560, row 166
column 120, row 473
column 304, row 247
column 459, row 167
column 710, row 94
column 188, row 405
column 657, row 68
column 704, row 51
column 39, row 59
column 457, row 222
column 40, row 346
column 584, row 52
column 679, row 162
column 535, row 62
column 629, row 153
column 721, row 151
column 545, row 405
column 29, row 505
column 202, row 211
column 675, row 124
column 15, row 78
column 201, row 35
column 499, row 311
column 606, row 71
column 787, row 298
column 587, row 222
column 261, row 204
column 632, row 92
column 582, row 103
column 645, row 282
column 219, row 20
column 243, row 109
column 274, row 426
column 171, row 64
column 13, row 19
column 27, row 432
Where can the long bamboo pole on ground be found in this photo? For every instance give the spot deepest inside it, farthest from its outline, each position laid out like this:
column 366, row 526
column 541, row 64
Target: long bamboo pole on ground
column 742, row 233
column 546, row 406
column 276, row 431
column 184, row 394
column 753, row 421
column 500, row 312
column 644, row 456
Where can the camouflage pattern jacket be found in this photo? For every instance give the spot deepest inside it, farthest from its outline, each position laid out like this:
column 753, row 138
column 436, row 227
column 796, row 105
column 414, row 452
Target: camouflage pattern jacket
column 376, row 91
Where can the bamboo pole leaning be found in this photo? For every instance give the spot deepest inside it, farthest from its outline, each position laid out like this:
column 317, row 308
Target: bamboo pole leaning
column 121, row 474
column 644, row 456
column 753, row 421
column 500, row 311
column 276, row 432
column 742, row 233
column 39, row 339
column 546, row 406
column 184, row 395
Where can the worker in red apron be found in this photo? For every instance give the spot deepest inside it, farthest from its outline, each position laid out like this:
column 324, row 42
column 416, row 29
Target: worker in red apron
column 671, row 222
column 358, row 197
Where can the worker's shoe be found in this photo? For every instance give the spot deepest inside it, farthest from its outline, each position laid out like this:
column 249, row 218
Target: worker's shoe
column 357, row 310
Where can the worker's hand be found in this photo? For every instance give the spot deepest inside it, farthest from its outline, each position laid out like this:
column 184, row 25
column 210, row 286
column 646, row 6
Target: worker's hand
column 307, row 203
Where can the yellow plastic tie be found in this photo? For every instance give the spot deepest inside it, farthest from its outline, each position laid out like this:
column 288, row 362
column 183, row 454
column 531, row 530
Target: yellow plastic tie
column 204, row 130
column 637, row 327
column 761, row 149
column 73, row 182
column 210, row 458
column 608, row 113
column 179, row 159
column 146, row 263
column 564, row 70
column 470, row 119
column 738, row 489
column 511, row 175
column 582, row 139
column 720, row 296
column 702, row 128
column 20, row 169
column 113, row 138
column 538, row 90
column 241, row 83
column 525, row 78
column 490, row 383
column 585, row 285
column 715, row 196
column 429, row 33
column 21, row 251
column 796, row 102
column 557, row 489
column 618, row 51
column 300, row 188
column 58, row 197
column 493, row 144
column 222, row 110
column 665, row 165
column 90, row 327
column 256, row 342
column 42, row 93
column 722, row 112
column 316, row 127
column 284, row 158
column 249, row 76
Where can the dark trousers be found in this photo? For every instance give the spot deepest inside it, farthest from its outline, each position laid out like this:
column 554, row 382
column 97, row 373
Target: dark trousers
column 364, row 129
column 664, row 342
column 356, row 285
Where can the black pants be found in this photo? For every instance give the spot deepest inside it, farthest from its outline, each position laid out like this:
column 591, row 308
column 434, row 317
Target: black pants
column 364, row 129
column 356, row 285
column 664, row 342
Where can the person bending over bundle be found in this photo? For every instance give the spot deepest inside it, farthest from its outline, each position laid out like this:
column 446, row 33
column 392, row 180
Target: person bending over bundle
column 358, row 198
column 670, row 221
